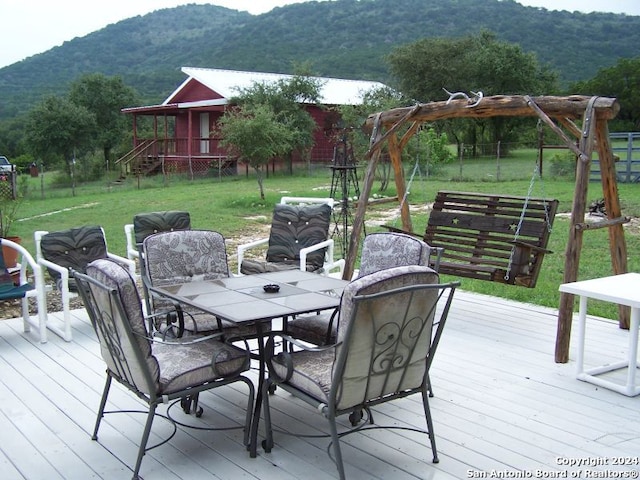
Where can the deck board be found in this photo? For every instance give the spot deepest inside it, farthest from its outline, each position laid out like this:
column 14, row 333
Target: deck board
column 501, row 403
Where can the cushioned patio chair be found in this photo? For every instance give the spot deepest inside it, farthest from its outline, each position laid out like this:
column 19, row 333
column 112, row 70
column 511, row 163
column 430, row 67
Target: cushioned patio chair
column 184, row 256
column 379, row 251
column 145, row 224
column 388, row 334
column 148, row 223
column 299, row 238
column 25, row 283
column 156, row 372
column 73, row 248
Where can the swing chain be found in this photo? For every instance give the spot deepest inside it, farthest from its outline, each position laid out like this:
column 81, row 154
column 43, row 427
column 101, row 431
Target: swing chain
column 536, row 175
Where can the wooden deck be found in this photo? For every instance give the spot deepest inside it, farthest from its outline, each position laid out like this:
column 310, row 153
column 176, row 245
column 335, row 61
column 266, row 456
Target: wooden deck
column 502, row 408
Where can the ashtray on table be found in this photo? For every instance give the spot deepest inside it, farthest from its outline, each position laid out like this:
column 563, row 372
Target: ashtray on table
column 271, row 288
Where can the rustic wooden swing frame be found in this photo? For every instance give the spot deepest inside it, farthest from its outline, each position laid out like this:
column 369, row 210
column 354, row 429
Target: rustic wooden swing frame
column 559, row 113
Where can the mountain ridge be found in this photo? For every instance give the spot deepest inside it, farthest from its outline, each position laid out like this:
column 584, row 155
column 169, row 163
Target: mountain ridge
column 341, row 38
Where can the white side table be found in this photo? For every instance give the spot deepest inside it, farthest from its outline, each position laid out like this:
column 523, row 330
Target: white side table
column 621, row 289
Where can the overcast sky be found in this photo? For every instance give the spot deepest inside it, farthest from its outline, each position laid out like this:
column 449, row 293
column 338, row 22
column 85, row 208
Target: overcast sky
column 35, row 26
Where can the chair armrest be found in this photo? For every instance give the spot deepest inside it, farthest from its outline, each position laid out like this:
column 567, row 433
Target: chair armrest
column 130, row 264
column 37, row 236
column 285, row 355
column 437, row 252
column 26, row 260
column 63, row 271
column 329, row 262
column 532, row 247
column 246, row 246
column 132, row 250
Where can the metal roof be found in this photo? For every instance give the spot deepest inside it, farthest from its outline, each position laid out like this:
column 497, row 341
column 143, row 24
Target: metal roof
column 228, row 83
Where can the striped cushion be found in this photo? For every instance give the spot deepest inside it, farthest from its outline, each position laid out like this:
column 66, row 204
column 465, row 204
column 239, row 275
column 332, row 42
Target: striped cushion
column 144, row 224
column 295, row 227
column 74, row 248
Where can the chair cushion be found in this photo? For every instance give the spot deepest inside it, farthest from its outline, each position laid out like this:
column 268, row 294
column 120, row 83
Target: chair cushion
column 197, row 363
column 184, row 256
column 73, row 248
column 295, row 227
column 250, row 266
column 313, row 328
column 386, row 250
column 379, row 251
column 311, row 371
column 189, row 255
column 8, row 289
column 117, row 277
column 145, row 224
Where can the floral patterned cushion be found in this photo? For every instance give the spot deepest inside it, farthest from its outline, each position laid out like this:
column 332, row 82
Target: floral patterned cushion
column 115, row 276
column 379, row 251
column 172, row 366
column 386, row 250
column 196, row 363
column 362, row 336
column 185, row 256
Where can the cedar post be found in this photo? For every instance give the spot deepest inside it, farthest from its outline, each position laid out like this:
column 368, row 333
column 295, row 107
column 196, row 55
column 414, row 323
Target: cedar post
column 358, row 221
column 617, row 243
column 574, row 243
column 395, row 154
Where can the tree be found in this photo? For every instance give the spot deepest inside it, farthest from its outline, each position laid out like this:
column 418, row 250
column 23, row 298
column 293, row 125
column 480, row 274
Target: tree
column 269, row 120
column 352, row 117
column 58, row 129
column 285, row 98
column 621, row 81
column 255, row 136
column 477, row 63
column 104, row 97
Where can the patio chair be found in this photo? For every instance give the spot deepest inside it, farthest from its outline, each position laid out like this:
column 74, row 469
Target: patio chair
column 28, row 284
column 387, row 338
column 73, row 248
column 379, row 251
column 184, row 256
column 299, row 238
column 156, row 372
column 145, row 224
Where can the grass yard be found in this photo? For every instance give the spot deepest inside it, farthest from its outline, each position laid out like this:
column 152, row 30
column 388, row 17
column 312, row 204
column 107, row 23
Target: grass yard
column 233, row 207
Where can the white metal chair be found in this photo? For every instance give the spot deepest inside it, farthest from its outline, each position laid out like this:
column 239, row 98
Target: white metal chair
column 156, row 372
column 29, row 284
column 74, row 248
column 299, row 238
column 388, row 334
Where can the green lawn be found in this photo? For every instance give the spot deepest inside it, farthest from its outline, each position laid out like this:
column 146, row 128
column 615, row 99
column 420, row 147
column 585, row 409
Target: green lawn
column 233, row 207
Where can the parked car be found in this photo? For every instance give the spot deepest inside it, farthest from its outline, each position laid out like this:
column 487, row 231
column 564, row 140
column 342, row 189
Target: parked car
column 5, row 165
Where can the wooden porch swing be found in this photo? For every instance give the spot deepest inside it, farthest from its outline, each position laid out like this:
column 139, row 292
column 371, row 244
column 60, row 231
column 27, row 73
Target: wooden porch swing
column 498, row 238
column 520, row 266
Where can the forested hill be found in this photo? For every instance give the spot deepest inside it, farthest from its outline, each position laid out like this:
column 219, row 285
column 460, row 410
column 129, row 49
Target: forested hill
column 339, row 38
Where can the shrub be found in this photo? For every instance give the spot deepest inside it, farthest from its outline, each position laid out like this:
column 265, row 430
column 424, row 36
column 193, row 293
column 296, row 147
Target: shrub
column 563, row 165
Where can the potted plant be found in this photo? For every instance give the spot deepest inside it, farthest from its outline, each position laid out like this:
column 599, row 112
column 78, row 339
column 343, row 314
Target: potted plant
column 9, row 207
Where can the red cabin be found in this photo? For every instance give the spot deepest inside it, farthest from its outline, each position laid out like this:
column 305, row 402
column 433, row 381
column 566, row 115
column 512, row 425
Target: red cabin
column 180, row 140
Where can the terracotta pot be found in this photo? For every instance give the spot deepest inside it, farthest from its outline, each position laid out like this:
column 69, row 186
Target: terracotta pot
column 9, row 254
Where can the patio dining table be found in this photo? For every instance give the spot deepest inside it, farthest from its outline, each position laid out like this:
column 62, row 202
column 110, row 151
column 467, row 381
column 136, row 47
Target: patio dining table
column 244, row 300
